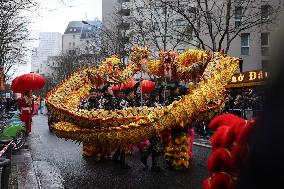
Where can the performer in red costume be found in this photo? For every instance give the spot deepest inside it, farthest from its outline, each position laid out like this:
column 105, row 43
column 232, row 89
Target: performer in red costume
column 26, row 105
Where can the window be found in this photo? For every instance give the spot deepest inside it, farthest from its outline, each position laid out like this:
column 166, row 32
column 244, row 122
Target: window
column 156, row 25
column 183, row 2
column 265, row 44
column 70, row 44
column 74, row 29
column 74, row 36
column 179, row 22
column 238, row 16
column 73, row 44
column 192, row 10
column 71, row 29
column 180, row 50
column 239, row 1
column 140, row 11
column 264, row 12
column 245, row 43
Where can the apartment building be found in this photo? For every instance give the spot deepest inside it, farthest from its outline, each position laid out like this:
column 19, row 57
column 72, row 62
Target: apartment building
column 50, row 44
column 78, row 35
column 149, row 22
column 251, row 44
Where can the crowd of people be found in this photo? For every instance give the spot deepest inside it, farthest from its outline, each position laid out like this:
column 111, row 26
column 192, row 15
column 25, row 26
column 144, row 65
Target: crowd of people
column 244, row 101
column 108, row 99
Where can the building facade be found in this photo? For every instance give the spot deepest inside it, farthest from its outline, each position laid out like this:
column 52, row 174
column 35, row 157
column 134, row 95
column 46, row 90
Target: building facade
column 79, row 35
column 50, row 44
column 149, row 22
column 153, row 23
column 253, row 44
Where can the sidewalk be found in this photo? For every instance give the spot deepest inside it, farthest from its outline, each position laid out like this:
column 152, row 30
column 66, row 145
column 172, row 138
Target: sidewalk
column 23, row 174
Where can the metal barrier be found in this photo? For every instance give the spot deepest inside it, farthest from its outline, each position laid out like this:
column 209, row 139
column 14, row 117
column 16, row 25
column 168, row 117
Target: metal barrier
column 5, row 161
column 244, row 113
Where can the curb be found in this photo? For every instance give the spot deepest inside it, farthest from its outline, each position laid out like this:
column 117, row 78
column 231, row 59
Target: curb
column 202, row 145
column 23, row 174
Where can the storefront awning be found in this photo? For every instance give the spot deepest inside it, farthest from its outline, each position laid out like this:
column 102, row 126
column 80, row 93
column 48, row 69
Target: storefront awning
column 248, row 79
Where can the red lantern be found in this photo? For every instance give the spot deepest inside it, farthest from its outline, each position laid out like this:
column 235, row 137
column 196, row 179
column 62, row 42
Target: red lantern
column 15, row 86
column 115, row 88
column 31, row 81
column 147, row 86
column 127, row 85
column 130, row 84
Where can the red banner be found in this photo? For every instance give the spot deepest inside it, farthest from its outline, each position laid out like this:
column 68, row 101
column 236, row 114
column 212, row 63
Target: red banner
column 2, row 82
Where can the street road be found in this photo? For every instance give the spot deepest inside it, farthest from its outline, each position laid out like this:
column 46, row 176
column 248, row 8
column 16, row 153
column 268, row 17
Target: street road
column 59, row 164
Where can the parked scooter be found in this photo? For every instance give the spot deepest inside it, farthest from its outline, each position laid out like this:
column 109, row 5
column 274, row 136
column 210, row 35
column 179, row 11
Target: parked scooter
column 11, row 127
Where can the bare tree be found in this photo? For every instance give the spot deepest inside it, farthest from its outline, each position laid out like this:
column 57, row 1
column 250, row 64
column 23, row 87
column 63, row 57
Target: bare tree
column 13, row 32
column 216, row 23
column 153, row 23
column 68, row 63
column 114, row 39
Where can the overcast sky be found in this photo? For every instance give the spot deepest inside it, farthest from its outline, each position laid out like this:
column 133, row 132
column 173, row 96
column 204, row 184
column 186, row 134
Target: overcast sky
column 54, row 16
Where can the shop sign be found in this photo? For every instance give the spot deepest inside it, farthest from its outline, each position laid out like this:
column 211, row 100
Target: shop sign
column 249, row 76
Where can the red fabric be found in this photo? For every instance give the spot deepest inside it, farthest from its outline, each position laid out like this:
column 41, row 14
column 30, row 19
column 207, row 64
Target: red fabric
column 206, row 184
column 26, row 115
column 226, row 119
column 165, row 134
column 219, row 160
column 221, row 181
column 21, row 103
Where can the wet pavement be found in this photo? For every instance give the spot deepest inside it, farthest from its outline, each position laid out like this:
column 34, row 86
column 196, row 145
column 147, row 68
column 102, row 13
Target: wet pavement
column 56, row 163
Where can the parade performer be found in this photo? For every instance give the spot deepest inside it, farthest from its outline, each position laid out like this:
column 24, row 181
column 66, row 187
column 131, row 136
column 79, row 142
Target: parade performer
column 42, row 105
column 119, row 155
column 178, row 152
column 105, row 99
column 93, row 100
column 26, row 105
column 36, row 105
column 155, row 147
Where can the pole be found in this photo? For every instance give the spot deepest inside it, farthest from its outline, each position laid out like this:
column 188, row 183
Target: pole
column 141, row 103
column 165, row 88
